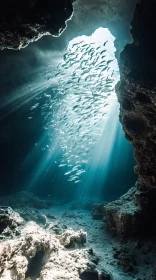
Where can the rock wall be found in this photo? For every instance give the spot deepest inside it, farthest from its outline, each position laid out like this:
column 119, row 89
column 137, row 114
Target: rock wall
column 134, row 213
column 113, row 14
column 27, row 21
column 24, row 21
column 137, row 92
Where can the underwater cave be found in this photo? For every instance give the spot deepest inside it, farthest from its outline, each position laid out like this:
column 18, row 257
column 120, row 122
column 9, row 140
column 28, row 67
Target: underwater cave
column 77, row 142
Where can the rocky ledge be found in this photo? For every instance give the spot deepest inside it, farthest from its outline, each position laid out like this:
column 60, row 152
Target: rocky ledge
column 22, row 22
column 132, row 214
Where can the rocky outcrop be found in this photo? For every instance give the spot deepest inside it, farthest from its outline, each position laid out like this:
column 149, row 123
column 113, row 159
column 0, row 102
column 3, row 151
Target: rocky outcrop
column 132, row 214
column 38, row 253
column 112, row 14
column 137, row 97
column 72, row 239
column 29, row 214
column 124, row 217
column 22, row 22
column 23, row 251
column 10, row 222
column 137, row 92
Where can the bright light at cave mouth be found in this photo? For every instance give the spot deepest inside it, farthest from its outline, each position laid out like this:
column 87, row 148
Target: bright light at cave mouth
column 82, row 101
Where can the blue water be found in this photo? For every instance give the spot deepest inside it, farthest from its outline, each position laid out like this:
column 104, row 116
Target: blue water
column 60, row 133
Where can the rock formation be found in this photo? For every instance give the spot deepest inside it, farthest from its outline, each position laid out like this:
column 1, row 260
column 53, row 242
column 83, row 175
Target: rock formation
column 23, row 23
column 71, row 239
column 27, row 21
column 137, row 97
column 38, row 253
column 124, row 217
column 137, row 92
column 112, row 14
column 10, row 222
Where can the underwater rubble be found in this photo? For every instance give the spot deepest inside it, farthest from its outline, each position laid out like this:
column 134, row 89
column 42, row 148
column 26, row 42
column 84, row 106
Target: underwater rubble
column 71, row 244
column 36, row 253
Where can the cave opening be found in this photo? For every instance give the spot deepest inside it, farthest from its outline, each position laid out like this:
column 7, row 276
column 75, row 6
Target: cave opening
column 71, row 140
column 67, row 179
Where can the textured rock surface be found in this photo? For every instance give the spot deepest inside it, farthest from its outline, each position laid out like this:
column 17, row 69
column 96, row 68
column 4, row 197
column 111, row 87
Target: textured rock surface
column 137, row 92
column 38, row 253
column 113, row 14
column 124, row 217
column 137, row 96
column 32, row 241
column 29, row 214
column 26, row 21
column 132, row 214
column 98, row 211
column 10, row 222
column 73, row 239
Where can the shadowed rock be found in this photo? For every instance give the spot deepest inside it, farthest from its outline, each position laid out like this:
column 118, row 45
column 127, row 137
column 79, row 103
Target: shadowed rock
column 22, row 22
column 137, row 92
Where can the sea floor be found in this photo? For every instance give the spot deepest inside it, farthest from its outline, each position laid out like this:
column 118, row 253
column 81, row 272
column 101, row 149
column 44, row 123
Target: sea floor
column 101, row 257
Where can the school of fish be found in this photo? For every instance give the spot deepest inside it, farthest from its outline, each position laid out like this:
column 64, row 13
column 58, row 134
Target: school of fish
column 76, row 108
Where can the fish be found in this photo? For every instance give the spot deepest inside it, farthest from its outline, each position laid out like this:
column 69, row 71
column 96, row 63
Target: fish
column 62, row 165
column 75, row 44
column 105, row 43
column 109, row 61
column 34, row 106
column 84, row 45
column 103, row 51
column 78, row 106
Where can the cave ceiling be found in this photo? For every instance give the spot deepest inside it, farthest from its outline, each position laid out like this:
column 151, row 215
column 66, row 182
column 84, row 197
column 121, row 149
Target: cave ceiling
column 27, row 21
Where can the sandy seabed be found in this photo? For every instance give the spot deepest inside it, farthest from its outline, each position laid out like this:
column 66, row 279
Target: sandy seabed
column 41, row 240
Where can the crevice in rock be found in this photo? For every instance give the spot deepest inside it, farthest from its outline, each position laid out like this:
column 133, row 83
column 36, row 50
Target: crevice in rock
column 3, row 226
column 35, row 265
